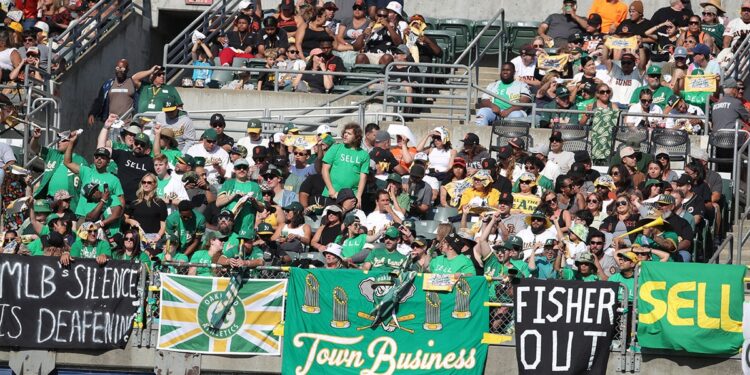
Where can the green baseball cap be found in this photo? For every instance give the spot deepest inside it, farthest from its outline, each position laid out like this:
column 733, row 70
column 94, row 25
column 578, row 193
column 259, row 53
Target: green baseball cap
column 186, row 159
column 327, row 139
column 143, row 138
column 209, row 134
column 290, row 127
column 254, row 126
column 392, row 232
column 42, row 207
column 294, row 206
column 265, row 228
column 513, row 242
column 653, row 70
column 200, row 161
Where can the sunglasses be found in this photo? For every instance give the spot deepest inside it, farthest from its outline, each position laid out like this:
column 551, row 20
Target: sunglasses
column 536, row 219
column 708, row 14
column 300, row 153
column 596, row 243
column 357, row 7
column 551, row 201
column 627, row 62
column 537, row 45
column 140, row 144
column 663, row 157
column 129, row 239
column 694, row 23
column 382, row 15
column 604, row 91
column 524, row 182
column 646, row 101
column 217, row 125
column 100, row 157
column 241, row 168
column 91, row 231
column 28, row 39
column 592, row 201
column 147, row 182
column 622, row 203
column 225, row 218
column 209, row 141
column 292, row 51
column 745, row 9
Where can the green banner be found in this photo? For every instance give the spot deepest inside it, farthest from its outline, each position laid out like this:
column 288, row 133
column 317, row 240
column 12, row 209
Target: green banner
column 691, row 307
column 333, row 326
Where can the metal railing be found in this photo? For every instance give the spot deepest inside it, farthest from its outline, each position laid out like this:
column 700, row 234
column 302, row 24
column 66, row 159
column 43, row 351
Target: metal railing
column 218, row 17
column 739, row 67
column 741, row 194
column 457, row 81
column 474, row 51
column 89, row 29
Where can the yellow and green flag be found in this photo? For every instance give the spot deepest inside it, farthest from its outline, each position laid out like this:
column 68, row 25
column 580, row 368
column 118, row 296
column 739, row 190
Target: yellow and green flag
column 189, row 302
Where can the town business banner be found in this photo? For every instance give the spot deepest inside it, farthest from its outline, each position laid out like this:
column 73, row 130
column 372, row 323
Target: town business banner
column 691, row 307
column 333, row 327
column 564, row 327
column 44, row 305
column 205, row 315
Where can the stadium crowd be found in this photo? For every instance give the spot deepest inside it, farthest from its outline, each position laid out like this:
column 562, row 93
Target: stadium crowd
column 358, row 196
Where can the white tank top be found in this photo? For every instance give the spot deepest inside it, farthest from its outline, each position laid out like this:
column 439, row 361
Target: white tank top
column 287, row 230
column 5, row 62
column 439, row 159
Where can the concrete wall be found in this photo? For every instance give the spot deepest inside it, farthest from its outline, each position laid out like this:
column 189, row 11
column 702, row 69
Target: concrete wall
column 501, row 360
column 516, row 10
column 80, row 85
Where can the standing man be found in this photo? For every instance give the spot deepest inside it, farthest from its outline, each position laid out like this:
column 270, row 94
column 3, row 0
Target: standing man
column 117, row 94
column 729, row 109
column 624, row 78
column 558, row 27
column 660, row 94
column 153, row 95
column 675, row 12
column 217, row 160
column 612, row 12
column 56, row 175
column 346, row 164
column 99, row 180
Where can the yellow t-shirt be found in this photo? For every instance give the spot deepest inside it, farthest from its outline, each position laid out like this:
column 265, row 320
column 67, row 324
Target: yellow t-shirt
column 492, row 197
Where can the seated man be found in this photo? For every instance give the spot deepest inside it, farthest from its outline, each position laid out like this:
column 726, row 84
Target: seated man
column 377, row 41
column 510, row 93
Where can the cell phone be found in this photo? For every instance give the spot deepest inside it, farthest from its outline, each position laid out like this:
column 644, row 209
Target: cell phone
column 106, row 187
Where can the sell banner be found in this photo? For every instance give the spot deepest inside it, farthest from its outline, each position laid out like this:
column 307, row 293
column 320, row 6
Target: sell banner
column 337, row 322
column 44, row 305
column 691, row 307
column 564, row 327
column 700, row 83
column 214, row 315
column 622, row 43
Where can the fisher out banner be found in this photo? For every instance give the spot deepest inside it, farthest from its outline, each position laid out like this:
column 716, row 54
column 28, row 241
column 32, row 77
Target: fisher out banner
column 564, row 327
column 691, row 307
column 352, row 322
column 44, row 305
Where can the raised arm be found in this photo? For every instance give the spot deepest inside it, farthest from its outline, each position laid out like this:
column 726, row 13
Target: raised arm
column 68, row 157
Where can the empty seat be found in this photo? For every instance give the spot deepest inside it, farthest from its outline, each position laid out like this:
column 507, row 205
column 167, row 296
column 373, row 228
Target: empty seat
column 484, row 41
column 674, row 142
column 724, row 140
column 462, row 28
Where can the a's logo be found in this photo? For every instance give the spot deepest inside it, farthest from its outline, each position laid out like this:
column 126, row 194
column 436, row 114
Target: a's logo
column 231, row 323
column 377, row 290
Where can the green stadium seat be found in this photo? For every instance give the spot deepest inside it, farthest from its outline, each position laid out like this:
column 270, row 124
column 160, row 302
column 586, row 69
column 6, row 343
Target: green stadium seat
column 431, row 22
column 367, row 68
column 520, row 34
column 446, row 37
column 484, row 40
column 462, row 28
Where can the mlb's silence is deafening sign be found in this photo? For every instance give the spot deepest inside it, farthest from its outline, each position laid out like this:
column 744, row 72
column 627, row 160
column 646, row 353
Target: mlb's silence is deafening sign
column 83, row 306
column 564, row 327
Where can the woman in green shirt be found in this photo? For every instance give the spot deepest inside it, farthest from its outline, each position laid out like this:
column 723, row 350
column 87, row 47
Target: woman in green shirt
column 91, row 243
column 129, row 248
column 353, row 239
column 210, row 253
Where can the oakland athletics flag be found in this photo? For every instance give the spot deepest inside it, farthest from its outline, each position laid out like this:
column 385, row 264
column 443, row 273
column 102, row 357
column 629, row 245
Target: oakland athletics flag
column 251, row 313
column 691, row 307
column 351, row 322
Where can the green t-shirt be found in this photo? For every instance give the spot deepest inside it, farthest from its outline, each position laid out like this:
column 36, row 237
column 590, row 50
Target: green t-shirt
column 559, row 117
column 202, row 257
column 661, row 95
column 185, row 231
column 629, row 282
column 697, row 99
column 245, row 221
column 459, row 264
column 388, row 260
column 351, row 246
column 151, row 99
column 87, row 251
column 648, row 242
column 142, row 257
column 35, row 247
column 176, row 257
column 493, row 268
column 89, row 174
column 234, row 252
column 569, row 274
column 231, row 243
column 582, row 104
column 171, row 153
column 346, row 166
column 58, row 177
column 716, row 31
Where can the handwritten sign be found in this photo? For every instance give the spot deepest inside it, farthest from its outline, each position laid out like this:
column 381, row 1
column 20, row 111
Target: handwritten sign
column 83, row 306
column 301, row 141
column 556, row 62
column 438, row 282
column 622, row 43
column 700, row 83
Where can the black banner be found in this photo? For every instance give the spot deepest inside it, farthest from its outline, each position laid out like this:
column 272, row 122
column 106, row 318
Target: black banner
column 83, row 306
column 564, row 327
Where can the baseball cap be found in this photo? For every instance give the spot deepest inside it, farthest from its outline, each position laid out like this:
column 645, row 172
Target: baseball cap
column 265, row 228
column 102, row 151
column 294, row 206
column 528, row 49
column 684, row 180
column 665, row 199
column 562, row 92
column 88, row 191
column 273, row 172
column 487, row 163
column 42, row 206
column 680, row 52
column 216, row 119
column 626, row 151
column 132, row 129
column 290, row 128
column 701, row 49
column 504, row 152
column 142, row 138
column 455, row 241
column 470, row 139
column 239, row 150
column 556, row 136
column 186, row 159
column 517, row 143
column 344, row 194
column 629, row 255
column 673, row 100
column 417, row 171
column 575, row 37
column 254, row 126
column 392, row 232
column 729, row 83
column 382, row 136
column 506, row 199
column 226, row 213
column 190, row 177
column 169, row 105
column 240, row 162
column 394, row 177
column 581, row 156
column 209, row 134
column 323, row 129
column 653, row 70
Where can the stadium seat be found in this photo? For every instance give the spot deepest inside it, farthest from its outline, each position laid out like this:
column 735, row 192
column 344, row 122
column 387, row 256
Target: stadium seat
column 444, row 37
column 576, row 137
column 484, row 40
column 626, row 134
column 462, row 28
column 507, row 129
column 520, row 34
column 367, row 68
column 724, row 140
column 426, row 228
column 432, row 23
column 674, row 142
